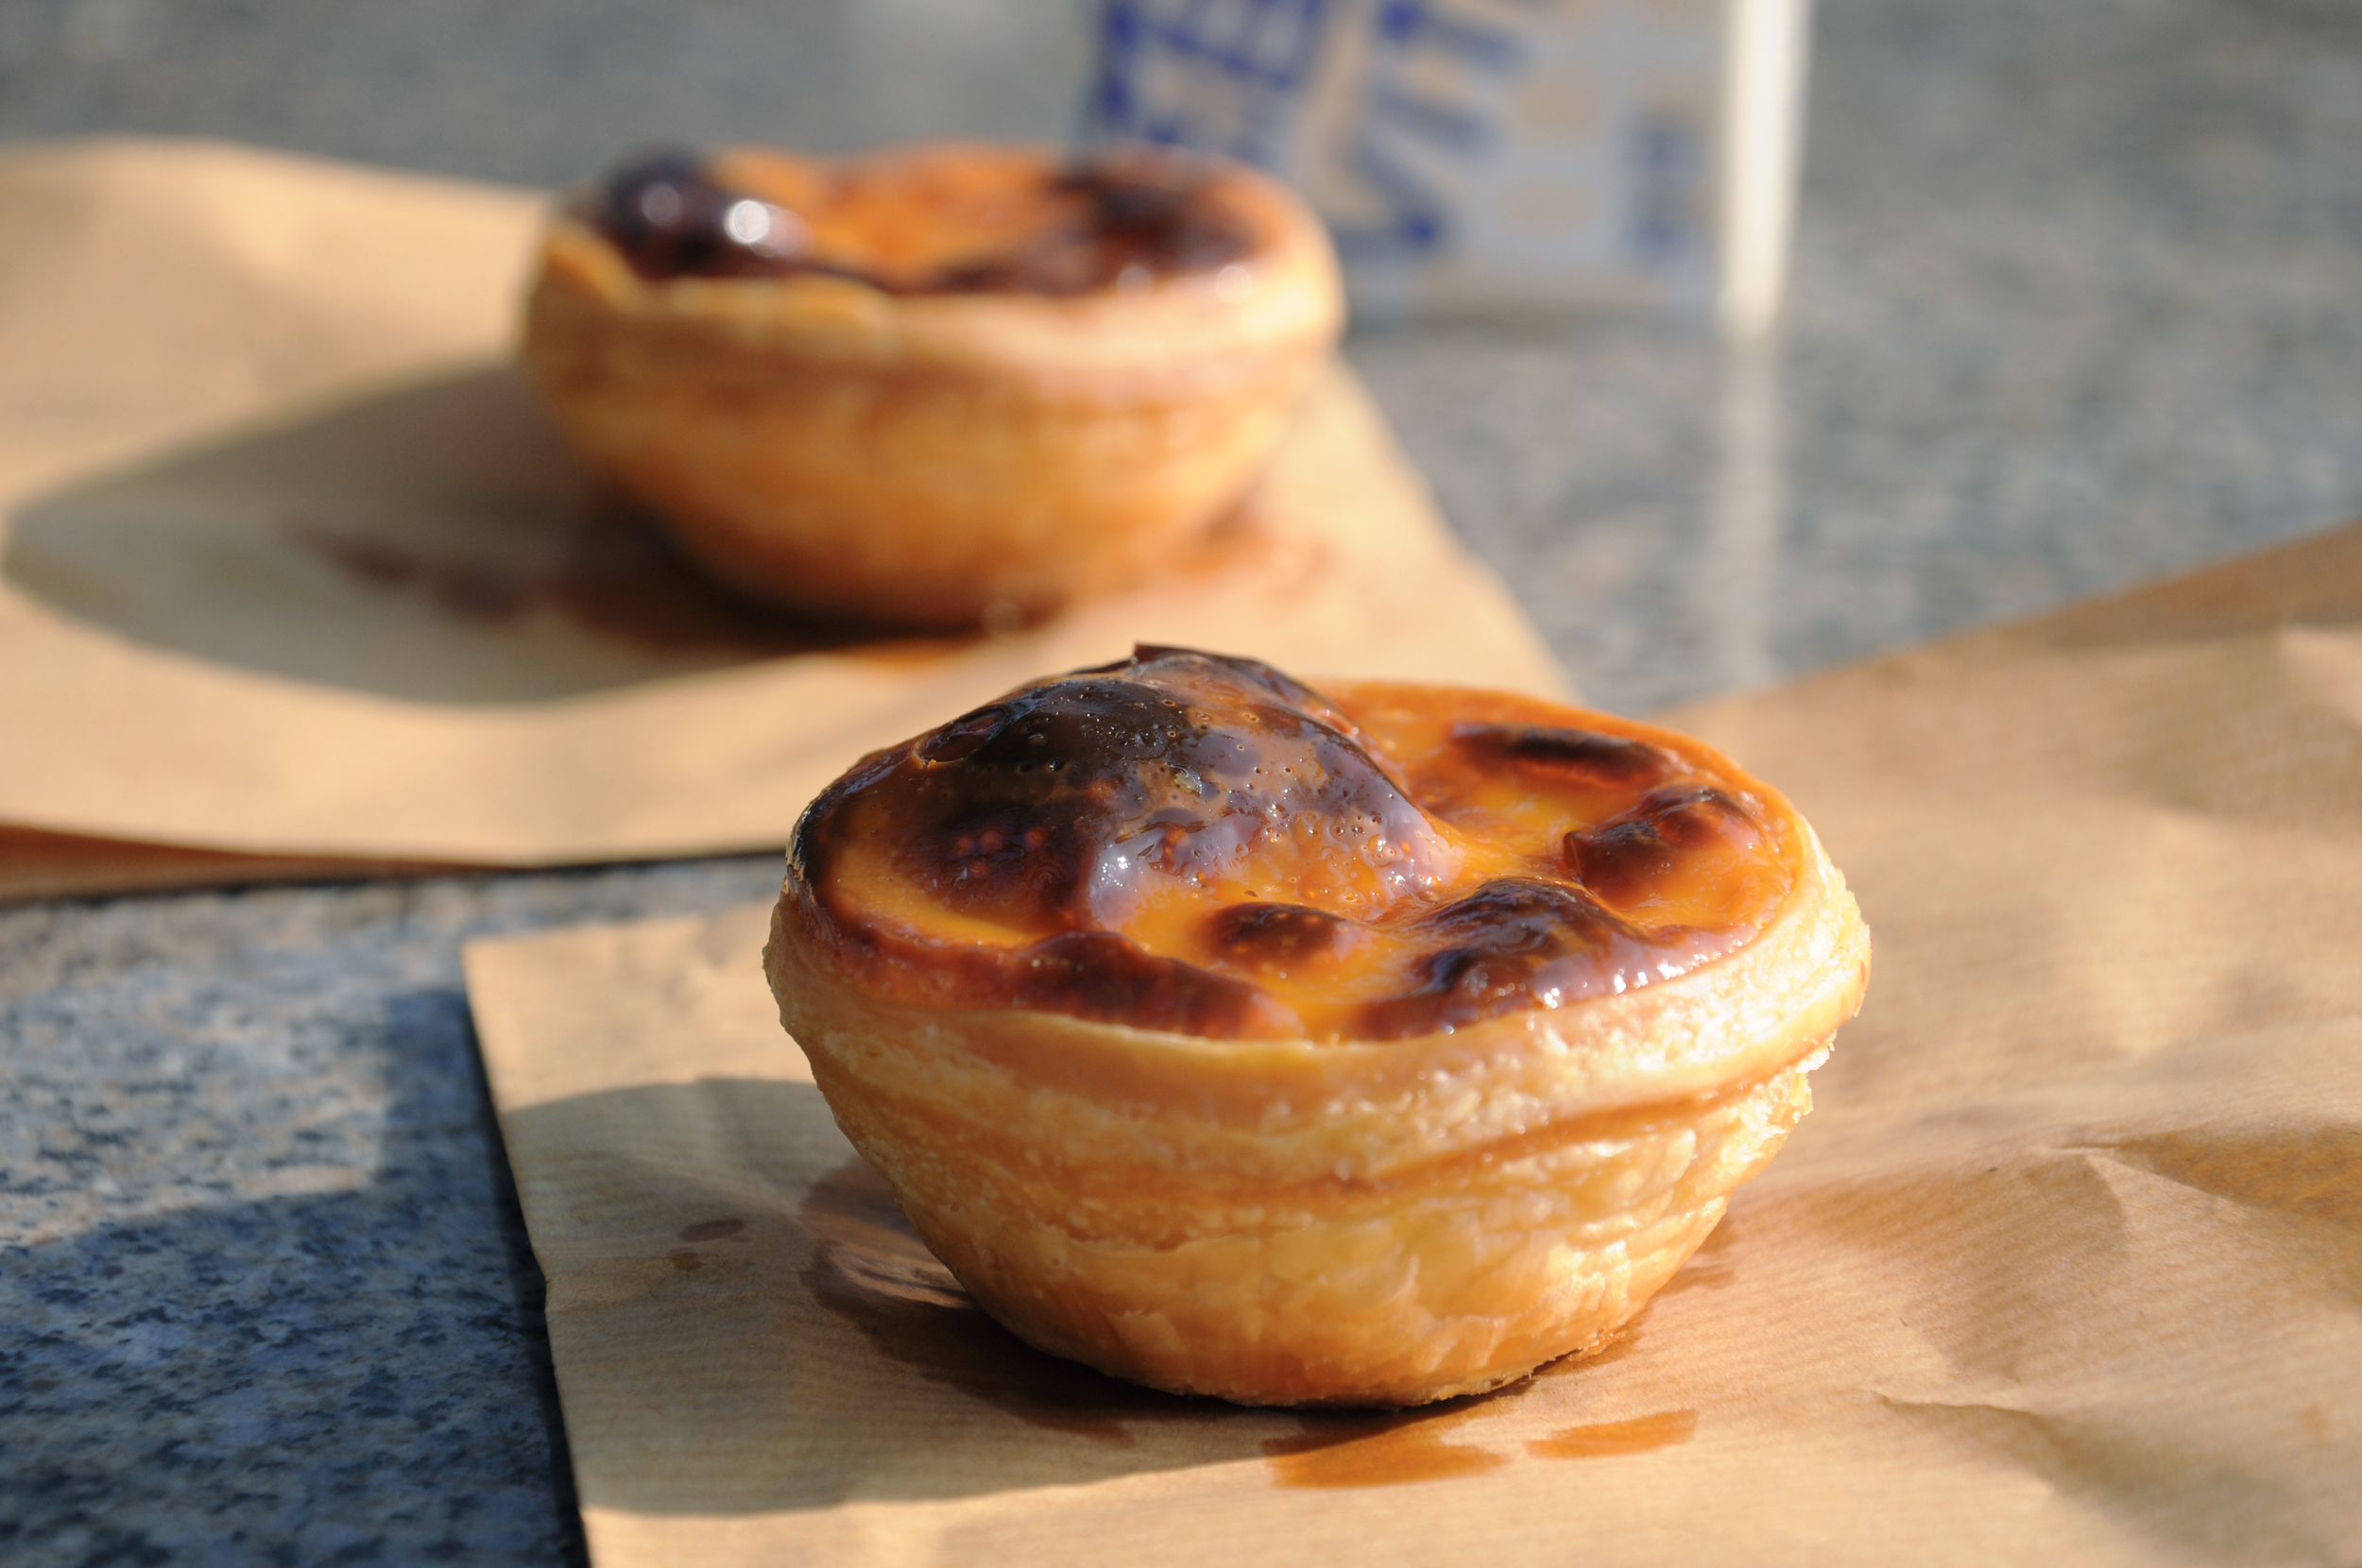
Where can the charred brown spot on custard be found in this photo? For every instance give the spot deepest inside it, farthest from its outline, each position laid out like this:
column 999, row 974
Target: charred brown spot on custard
column 1117, row 227
column 1107, row 223
column 1609, row 759
column 1277, row 934
column 1103, row 975
column 1044, row 811
column 1001, row 813
column 1000, row 810
column 1619, row 859
column 1009, row 861
column 1513, row 943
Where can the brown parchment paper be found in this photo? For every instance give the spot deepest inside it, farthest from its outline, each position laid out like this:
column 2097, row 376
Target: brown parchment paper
column 2066, row 1267
column 295, row 576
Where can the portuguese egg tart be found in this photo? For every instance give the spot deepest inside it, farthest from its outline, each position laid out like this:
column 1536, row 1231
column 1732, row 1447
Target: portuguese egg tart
column 1361, row 1046
column 936, row 386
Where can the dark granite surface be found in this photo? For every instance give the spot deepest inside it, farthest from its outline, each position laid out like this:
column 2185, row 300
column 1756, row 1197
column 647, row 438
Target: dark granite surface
column 265, row 1296
column 2076, row 305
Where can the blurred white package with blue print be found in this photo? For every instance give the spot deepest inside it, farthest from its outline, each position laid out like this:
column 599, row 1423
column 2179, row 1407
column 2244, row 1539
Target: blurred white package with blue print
column 1482, row 154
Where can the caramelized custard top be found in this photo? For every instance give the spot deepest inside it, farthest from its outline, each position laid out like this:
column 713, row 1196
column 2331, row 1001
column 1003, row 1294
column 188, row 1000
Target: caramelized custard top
column 1199, row 843
column 943, row 220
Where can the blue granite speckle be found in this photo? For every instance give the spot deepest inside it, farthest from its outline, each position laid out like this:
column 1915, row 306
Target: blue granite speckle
column 265, row 1294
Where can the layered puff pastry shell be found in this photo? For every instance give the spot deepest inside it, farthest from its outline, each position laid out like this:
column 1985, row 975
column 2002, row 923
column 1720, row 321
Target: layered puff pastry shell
column 1366, row 1046
column 939, row 385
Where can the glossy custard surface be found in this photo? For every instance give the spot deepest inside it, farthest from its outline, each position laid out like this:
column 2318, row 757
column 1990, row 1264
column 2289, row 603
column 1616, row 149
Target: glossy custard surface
column 942, row 221
column 1199, row 843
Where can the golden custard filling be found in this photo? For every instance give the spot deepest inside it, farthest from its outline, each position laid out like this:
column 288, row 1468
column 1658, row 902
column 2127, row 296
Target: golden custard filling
column 1199, row 843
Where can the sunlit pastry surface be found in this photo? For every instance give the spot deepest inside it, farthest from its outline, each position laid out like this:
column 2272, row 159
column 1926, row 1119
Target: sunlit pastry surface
column 1360, row 1047
column 934, row 385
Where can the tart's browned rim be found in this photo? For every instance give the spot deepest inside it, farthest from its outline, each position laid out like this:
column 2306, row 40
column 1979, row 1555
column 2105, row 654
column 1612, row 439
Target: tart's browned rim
column 1734, row 1020
column 1292, row 298
column 1766, row 1005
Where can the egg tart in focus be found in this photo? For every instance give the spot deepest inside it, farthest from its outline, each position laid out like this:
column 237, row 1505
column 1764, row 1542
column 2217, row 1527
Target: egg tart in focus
column 933, row 386
column 1368, row 1045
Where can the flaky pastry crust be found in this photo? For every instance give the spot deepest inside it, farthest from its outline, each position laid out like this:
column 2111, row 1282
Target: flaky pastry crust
column 1308, row 1218
column 934, row 456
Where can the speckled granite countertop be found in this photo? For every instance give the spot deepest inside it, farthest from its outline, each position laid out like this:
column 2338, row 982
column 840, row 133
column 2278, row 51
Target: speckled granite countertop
column 2075, row 306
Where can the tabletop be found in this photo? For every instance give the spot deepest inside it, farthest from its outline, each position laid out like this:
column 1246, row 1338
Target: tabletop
column 2072, row 307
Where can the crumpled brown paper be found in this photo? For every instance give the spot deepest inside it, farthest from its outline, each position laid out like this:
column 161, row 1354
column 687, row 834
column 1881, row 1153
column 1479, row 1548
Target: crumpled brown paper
column 2066, row 1266
column 297, row 577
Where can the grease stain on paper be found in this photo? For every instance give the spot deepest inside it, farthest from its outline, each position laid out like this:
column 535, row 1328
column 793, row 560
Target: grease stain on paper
column 2313, row 1171
column 1337, row 1452
column 610, row 568
column 1607, row 1439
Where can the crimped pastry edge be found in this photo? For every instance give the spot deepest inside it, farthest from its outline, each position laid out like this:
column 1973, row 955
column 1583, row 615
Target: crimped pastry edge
column 1384, row 1104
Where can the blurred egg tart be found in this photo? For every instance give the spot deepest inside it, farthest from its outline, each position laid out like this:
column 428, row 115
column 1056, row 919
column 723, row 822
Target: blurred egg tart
column 935, row 386
column 1366, row 1046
